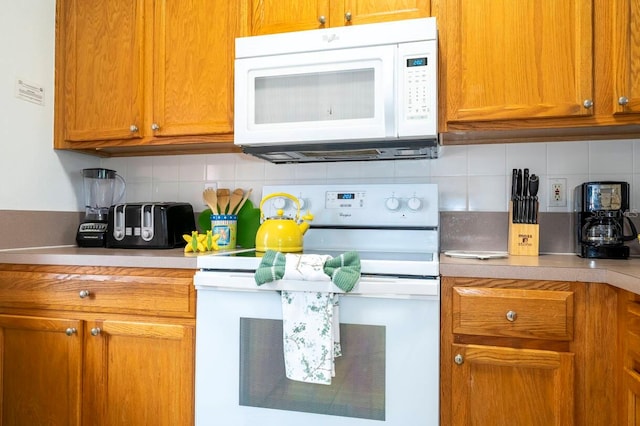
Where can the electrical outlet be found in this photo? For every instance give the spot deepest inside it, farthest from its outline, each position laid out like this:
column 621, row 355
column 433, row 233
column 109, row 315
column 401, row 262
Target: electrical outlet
column 557, row 192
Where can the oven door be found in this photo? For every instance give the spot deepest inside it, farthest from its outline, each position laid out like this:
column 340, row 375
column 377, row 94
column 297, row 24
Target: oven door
column 387, row 374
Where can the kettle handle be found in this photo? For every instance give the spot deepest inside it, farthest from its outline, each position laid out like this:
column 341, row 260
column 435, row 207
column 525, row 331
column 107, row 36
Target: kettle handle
column 280, row 194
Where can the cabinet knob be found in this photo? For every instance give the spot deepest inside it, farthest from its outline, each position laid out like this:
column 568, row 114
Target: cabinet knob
column 155, row 127
column 133, row 128
column 511, row 316
column 588, row 103
column 347, row 16
column 95, row 331
column 623, row 100
column 458, row 359
column 322, row 19
column 70, row 331
column 84, row 294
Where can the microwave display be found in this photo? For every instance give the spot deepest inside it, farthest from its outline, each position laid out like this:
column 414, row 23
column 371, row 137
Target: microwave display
column 416, row 62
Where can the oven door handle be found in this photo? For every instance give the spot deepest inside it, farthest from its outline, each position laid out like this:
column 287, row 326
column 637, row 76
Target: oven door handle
column 367, row 286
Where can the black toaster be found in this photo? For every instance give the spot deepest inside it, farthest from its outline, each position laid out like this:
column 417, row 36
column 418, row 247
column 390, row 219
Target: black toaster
column 149, row 225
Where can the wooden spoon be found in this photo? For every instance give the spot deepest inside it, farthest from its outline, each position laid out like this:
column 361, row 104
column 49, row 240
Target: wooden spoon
column 209, row 196
column 223, row 200
column 244, row 199
column 236, row 197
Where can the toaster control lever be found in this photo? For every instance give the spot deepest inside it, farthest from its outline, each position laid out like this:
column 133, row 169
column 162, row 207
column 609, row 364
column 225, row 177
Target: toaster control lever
column 146, row 222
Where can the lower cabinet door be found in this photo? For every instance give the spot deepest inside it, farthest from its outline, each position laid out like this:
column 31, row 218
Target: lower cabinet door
column 41, row 370
column 139, row 373
column 497, row 386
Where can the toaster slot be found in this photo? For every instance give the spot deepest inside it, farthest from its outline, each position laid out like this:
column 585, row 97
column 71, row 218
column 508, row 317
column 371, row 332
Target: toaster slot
column 146, row 221
column 118, row 222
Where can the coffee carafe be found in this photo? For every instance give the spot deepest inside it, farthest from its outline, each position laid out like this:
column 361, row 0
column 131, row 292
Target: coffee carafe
column 600, row 212
column 99, row 194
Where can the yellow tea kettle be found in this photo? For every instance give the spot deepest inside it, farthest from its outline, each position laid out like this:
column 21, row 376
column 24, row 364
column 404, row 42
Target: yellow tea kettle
column 281, row 233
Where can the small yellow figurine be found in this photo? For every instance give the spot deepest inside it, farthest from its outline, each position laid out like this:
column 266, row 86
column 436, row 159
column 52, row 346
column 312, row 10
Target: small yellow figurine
column 210, row 242
column 195, row 242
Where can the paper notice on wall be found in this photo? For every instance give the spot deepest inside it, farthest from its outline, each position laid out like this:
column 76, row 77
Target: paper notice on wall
column 29, row 92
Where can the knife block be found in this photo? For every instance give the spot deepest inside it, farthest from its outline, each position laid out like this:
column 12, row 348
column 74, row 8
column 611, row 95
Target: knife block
column 524, row 238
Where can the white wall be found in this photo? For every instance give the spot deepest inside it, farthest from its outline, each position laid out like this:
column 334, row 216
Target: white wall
column 32, row 175
column 470, row 178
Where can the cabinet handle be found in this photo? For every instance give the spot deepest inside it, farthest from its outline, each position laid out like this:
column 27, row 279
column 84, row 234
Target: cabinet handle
column 623, row 100
column 84, row 294
column 458, row 359
column 133, row 128
column 347, row 16
column 322, row 19
column 588, row 103
column 155, row 127
column 70, row 331
column 95, row 331
column 511, row 316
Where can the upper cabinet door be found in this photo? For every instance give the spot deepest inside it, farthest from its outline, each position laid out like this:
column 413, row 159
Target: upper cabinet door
column 367, row 11
column 192, row 68
column 279, row 16
column 103, row 69
column 507, row 60
column 626, row 51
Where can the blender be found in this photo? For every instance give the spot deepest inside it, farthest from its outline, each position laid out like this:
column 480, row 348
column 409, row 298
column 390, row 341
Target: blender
column 99, row 194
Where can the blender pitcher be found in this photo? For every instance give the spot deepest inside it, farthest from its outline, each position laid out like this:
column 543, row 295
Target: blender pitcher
column 99, row 189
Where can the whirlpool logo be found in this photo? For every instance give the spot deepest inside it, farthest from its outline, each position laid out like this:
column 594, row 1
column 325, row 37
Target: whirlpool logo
column 330, row 37
column 341, row 214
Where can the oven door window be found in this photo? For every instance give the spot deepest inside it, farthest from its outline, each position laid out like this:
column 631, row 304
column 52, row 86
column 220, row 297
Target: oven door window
column 357, row 390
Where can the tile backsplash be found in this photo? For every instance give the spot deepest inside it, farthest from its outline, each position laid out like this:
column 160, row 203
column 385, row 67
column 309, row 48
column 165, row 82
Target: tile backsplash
column 474, row 178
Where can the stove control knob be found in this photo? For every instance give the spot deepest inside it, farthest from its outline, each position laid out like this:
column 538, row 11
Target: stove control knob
column 393, row 203
column 414, row 203
column 303, row 203
column 279, row 203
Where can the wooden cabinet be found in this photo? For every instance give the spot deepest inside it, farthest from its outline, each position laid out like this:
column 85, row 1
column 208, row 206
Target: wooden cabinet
column 144, row 76
column 96, row 346
column 277, row 16
column 537, row 70
column 629, row 361
column 626, row 54
column 524, row 352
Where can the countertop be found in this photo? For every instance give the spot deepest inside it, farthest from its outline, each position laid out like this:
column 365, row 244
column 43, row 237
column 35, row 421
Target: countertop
column 624, row 274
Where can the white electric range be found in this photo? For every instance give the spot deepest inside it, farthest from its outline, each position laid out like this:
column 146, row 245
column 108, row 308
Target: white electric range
column 389, row 322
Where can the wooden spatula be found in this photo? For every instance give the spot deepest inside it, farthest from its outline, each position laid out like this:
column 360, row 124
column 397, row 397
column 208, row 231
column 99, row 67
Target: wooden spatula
column 209, row 196
column 236, row 197
column 223, row 200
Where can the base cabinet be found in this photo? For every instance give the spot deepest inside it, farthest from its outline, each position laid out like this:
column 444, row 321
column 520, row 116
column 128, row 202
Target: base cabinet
column 527, row 352
column 96, row 346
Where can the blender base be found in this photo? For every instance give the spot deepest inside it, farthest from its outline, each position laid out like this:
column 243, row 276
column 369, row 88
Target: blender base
column 92, row 234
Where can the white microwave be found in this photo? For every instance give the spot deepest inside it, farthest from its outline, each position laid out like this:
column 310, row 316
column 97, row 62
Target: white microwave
column 361, row 92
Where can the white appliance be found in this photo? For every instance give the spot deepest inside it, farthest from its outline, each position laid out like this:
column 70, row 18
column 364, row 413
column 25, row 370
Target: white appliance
column 361, row 92
column 389, row 323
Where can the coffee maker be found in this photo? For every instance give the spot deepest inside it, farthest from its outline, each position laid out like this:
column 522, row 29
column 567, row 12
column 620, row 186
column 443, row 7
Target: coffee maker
column 600, row 213
column 99, row 195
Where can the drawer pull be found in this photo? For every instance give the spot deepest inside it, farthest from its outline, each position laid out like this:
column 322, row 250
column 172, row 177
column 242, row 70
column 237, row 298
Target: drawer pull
column 84, row 294
column 458, row 359
column 511, row 316
column 70, row 331
column 95, row 331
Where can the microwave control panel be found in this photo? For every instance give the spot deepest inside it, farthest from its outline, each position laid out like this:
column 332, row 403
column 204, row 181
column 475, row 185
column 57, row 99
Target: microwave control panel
column 417, row 63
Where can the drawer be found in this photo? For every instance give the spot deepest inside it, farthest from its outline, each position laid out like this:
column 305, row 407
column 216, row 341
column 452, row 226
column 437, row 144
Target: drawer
column 501, row 312
column 119, row 293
